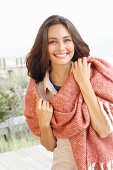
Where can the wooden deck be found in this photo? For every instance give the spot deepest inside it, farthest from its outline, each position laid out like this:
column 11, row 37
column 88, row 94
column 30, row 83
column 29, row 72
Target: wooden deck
column 33, row 158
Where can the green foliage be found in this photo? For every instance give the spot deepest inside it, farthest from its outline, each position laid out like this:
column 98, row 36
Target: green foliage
column 5, row 100
column 8, row 101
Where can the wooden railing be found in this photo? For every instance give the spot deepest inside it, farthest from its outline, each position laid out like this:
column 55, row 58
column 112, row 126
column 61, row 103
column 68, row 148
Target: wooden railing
column 12, row 63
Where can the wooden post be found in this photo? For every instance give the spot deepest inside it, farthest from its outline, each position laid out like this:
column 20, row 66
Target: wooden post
column 21, row 61
column 0, row 62
column 4, row 63
column 16, row 61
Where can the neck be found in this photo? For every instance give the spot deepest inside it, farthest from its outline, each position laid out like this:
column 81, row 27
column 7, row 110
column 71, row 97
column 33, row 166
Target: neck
column 60, row 73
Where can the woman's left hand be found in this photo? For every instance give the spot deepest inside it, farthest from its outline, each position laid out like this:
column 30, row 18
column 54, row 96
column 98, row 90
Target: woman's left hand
column 81, row 71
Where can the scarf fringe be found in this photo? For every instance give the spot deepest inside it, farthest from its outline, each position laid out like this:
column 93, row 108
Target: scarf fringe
column 109, row 166
column 109, row 111
column 92, row 166
column 108, row 118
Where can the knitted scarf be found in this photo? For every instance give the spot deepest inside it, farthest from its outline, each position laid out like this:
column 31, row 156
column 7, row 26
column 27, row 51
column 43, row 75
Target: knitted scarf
column 71, row 116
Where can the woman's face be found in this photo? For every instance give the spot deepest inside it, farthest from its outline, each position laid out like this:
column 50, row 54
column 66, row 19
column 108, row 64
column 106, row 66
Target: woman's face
column 60, row 45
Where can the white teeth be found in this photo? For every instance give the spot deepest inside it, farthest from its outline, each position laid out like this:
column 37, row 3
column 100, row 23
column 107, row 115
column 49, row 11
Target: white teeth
column 61, row 55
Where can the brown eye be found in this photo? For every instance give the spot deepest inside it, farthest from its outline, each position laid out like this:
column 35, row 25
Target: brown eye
column 51, row 42
column 67, row 40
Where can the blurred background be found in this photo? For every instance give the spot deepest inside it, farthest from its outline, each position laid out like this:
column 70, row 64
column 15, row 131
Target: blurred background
column 19, row 24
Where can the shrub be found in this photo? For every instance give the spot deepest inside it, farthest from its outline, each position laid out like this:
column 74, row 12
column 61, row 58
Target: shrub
column 8, row 102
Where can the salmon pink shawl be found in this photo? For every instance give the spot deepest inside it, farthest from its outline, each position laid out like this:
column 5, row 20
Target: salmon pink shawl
column 71, row 116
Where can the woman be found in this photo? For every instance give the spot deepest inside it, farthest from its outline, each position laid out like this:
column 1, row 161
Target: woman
column 59, row 51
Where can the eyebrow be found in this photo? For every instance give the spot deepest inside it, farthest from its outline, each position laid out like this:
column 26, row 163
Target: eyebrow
column 63, row 37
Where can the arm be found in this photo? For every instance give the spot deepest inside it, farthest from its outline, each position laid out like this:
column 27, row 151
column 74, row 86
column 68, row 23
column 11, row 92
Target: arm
column 81, row 72
column 44, row 113
column 98, row 120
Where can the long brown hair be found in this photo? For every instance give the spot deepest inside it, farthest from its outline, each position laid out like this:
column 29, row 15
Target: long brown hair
column 37, row 60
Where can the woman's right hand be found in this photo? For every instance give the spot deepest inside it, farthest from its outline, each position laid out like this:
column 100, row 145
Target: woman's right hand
column 44, row 111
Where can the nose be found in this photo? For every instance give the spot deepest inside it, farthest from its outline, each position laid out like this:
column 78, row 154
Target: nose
column 61, row 46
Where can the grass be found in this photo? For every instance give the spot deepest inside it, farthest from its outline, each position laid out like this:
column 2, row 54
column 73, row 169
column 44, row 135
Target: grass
column 17, row 143
column 18, row 81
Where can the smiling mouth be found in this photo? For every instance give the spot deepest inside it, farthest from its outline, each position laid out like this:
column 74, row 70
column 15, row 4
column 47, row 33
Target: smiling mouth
column 61, row 55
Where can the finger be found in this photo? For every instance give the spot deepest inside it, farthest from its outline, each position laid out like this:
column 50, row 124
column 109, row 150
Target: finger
column 48, row 105
column 84, row 61
column 75, row 64
column 44, row 105
column 80, row 62
column 51, row 108
column 39, row 103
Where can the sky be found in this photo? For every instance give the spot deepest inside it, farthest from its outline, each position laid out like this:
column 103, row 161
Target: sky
column 21, row 19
